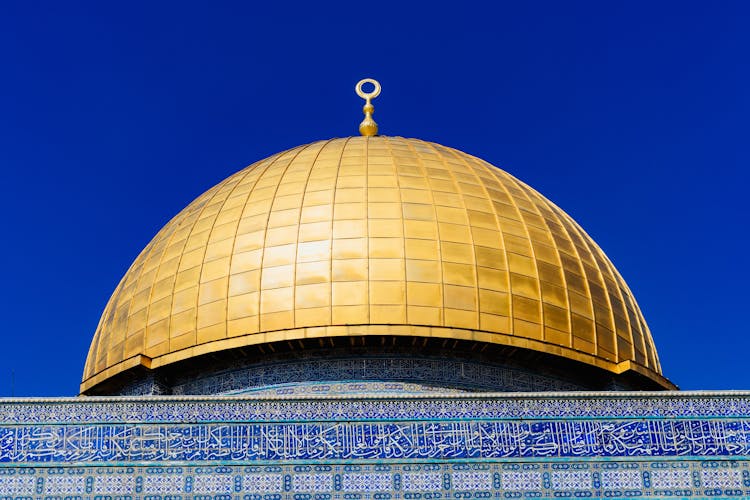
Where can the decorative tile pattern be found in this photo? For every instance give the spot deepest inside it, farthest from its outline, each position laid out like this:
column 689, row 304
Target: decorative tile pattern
column 383, row 481
column 621, row 479
column 672, row 478
column 425, row 375
column 474, row 478
column 446, row 446
column 161, row 481
column 120, row 484
column 721, row 478
column 567, row 480
column 446, row 440
column 376, row 407
column 521, row 480
column 16, row 483
column 355, row 480
column 305, row 480
column 429, row 478
column 262, row 481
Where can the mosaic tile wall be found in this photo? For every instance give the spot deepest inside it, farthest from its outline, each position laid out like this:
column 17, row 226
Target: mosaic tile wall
column 390, row 447
column 384, row 481
column 295, row 376
column 441, row 440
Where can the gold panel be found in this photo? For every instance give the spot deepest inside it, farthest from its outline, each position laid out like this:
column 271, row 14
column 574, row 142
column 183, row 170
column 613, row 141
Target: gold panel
column 385, row 231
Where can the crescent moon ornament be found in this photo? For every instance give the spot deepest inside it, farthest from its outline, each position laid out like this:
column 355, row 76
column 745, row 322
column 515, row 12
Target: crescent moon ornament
column 368, row 127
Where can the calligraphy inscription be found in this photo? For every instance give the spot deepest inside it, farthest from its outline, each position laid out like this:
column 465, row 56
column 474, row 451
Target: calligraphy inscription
column 373, row 440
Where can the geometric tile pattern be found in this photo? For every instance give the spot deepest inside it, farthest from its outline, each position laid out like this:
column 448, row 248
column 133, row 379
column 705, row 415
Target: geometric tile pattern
column 651, row 479
column 570, row 445
column 371, row 235
column 386, row 406
column 302, row 375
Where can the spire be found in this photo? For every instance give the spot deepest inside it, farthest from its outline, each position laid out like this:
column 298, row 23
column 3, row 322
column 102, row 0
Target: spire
column 368, row 126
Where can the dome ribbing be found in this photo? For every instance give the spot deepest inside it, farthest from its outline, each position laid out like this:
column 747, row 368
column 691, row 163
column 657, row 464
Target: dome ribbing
column 371, row 236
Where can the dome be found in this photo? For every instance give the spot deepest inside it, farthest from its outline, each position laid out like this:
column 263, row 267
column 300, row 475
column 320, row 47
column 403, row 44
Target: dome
column 366, row 236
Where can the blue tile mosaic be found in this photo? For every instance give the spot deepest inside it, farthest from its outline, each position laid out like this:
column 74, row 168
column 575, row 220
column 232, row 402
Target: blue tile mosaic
column 566, row 445
column 263, row 408
column 445, row 440
column 654, row 479
column 295, row 375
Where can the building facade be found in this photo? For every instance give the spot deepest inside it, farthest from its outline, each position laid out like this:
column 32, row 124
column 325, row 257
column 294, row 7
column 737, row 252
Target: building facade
column 373, row 317
column 389, row 446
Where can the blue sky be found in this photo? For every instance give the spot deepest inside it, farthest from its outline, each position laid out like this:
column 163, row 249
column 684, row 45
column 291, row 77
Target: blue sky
column 631, row 116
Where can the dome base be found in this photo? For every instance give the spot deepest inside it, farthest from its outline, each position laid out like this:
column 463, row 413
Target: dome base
column 370, row 364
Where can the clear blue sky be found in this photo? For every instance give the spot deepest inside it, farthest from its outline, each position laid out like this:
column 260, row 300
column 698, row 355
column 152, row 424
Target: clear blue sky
column 631, row 116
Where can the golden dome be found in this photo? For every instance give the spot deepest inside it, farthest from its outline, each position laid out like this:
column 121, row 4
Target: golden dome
column 371, row 236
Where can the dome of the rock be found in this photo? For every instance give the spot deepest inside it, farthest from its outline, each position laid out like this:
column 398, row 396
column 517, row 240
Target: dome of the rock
column 372, row 245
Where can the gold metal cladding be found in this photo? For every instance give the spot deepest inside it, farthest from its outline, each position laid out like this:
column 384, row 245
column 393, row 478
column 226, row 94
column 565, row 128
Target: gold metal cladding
column 371, row 236
column 368, row 127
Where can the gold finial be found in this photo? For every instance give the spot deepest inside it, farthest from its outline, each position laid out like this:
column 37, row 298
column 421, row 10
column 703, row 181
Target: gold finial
column 368, row 125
